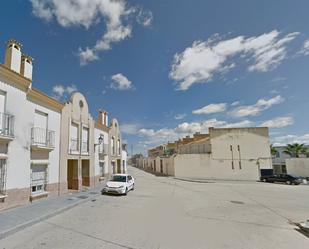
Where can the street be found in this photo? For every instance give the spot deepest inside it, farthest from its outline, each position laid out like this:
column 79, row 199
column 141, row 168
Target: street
column 163, row 212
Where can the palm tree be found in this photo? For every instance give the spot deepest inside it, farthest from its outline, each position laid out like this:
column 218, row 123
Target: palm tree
column 294, row 150
column 273, row 150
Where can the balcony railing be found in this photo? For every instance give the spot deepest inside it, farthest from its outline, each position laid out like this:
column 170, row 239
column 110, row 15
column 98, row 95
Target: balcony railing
column 43, row 138
column 6, row 125
column 103, row 149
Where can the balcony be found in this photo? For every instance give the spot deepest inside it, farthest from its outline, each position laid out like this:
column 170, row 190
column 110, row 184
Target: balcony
column 42, row 139
column 6, row 126
column 103, row 151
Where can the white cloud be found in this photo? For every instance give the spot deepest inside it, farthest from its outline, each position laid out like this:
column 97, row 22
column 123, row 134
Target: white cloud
column 87, row 55
column 87, row 13
column 130, row 129
column 121, row 82
column 154, row 137
column 289, row 139
column 278, row 122
column 257, row 108
column 144, row 17
column 211, row 108
column 305, row 48
column 180, row 116
column 235, row 103
column 60, row 91
column 200, row 62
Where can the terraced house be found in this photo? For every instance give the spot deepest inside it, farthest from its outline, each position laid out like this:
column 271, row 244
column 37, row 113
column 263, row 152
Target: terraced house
column 47, row 147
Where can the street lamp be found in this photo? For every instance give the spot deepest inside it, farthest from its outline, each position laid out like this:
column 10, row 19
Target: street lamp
column 100, row 139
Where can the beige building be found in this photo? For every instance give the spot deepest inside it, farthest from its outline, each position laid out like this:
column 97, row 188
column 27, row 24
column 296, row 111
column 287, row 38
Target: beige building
column 224, row 153
column 297, row 166
column 76, row 145
column 115, row 148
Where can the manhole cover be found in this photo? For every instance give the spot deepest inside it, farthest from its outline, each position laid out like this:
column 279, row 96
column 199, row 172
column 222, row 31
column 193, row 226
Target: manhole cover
column 237, row 202
column 82, row 197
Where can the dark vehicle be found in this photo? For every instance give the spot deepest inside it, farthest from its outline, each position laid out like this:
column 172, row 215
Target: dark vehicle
column 288, row 179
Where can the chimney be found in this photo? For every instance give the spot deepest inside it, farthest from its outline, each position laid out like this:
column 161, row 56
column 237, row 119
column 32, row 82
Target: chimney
column 103, row 118
column 13, row 55
column 26, row 66
column 100, row 118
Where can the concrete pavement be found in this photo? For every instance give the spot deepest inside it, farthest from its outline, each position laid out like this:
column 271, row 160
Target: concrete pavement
column 15, row 219
column 167, row 213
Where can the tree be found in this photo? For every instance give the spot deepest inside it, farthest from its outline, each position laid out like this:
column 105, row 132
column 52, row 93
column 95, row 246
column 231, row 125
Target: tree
column 273, row 150
column 294, row 150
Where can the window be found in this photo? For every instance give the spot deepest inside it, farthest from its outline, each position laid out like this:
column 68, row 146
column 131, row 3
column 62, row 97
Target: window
column 231, row 147
column 232, row 164
column 113, row 145
column 85, row 140
column 238, row 147
column 239, row 164
column 74, row 145
column 38, row 178
column 101, row 164
column 118, row 147
column 2, row 176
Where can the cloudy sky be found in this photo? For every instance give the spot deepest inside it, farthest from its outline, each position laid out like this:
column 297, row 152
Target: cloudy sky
column 168, row 68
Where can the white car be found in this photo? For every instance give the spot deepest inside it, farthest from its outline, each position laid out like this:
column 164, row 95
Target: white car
column 119, row 184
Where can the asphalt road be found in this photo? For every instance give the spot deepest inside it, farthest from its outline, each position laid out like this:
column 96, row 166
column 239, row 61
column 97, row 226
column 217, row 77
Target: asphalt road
column 166, row 213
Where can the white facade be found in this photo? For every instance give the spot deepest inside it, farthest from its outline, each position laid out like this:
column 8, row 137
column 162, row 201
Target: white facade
column 227, row 154
column 101, row 140
column 124, row 159
column 48, row 157
column 29, row 135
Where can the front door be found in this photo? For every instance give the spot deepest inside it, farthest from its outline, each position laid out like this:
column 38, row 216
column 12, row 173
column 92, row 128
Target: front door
column 119, row 166
column 72, row 174
column 85, row 173
column 114, row 167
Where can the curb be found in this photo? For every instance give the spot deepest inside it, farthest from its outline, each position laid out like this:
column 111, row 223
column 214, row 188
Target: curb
column 42, row 218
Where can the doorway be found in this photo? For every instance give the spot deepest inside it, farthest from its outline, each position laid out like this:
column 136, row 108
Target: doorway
column 85, row 173
column 118, row 166
column 72, row 174
column 113, row 167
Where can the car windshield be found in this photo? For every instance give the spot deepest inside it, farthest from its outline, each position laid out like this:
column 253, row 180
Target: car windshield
column 118, row 178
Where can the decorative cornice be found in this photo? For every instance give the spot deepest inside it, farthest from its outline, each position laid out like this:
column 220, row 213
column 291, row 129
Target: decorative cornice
column 101, row 127
column 13, row 78
column 45, row 99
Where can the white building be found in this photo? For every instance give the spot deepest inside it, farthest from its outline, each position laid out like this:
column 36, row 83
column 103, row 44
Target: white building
column 101, row 143
column 124, row 158
column 29, row 133
column 224, row 153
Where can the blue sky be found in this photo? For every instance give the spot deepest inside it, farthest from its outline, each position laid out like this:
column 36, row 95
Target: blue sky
column 166, row 69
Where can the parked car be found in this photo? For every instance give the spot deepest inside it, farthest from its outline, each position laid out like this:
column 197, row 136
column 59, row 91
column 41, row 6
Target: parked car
column 119, row 184
column 286, row 178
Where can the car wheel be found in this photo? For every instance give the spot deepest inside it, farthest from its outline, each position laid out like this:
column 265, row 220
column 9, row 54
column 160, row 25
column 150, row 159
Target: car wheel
column 288, row 182
column 125, row 193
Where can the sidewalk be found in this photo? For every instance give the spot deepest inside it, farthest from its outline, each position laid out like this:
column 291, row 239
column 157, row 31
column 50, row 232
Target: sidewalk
column 16, row 219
